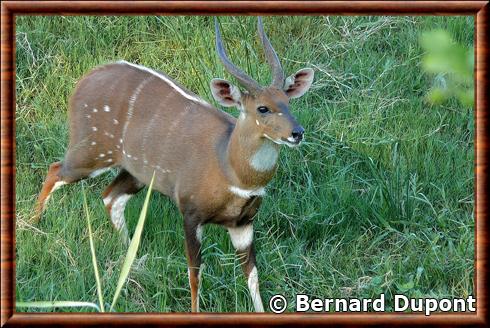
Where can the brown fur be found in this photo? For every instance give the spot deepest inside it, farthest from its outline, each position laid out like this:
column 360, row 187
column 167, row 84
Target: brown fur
column 127, row 117
column 51, row 179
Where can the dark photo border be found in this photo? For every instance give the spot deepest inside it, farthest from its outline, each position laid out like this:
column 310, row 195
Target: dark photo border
column 11, row 9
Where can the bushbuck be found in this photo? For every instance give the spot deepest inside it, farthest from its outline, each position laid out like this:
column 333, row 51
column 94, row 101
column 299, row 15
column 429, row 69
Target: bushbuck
column 213, row 166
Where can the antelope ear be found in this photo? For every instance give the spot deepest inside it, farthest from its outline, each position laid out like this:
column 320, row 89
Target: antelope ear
column 226, row 93
column 297, row 84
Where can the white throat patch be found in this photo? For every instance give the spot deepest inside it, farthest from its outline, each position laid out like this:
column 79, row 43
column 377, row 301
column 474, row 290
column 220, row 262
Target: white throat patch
column 265, row 158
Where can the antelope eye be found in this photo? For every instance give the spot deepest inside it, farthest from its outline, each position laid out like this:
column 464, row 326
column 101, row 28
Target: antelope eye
column 263, row 110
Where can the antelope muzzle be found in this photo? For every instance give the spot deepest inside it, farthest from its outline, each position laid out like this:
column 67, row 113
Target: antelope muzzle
column 296, row 136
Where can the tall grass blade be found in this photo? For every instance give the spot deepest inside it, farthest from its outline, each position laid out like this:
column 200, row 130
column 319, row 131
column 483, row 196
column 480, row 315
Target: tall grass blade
column 133, row 246
column 92, row 250
column 55, row 304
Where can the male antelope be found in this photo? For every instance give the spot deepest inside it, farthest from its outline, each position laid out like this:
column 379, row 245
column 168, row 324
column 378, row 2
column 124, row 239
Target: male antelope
column 213, row 166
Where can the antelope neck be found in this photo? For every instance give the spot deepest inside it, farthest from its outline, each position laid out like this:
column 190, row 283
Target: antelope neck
column 252, row 157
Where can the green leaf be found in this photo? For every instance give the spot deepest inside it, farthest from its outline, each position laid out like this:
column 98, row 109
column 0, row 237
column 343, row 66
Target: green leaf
column 437, row 96
column 420, row 270
column 455, row 61
column 406, row 286
column 376, row 281
column 436, row 64
column 55, row 304
column 466, row 97
column 92, row 251
column 470, row 58
column 437, row 41
column 133, row 246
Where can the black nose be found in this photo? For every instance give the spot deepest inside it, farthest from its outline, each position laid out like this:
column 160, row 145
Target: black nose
column 298, row 133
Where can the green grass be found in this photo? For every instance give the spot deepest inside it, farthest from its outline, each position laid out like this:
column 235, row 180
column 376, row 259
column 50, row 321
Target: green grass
column 379, row 199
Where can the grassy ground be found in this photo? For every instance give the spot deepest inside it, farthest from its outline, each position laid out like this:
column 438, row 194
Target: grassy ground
column 378, row 200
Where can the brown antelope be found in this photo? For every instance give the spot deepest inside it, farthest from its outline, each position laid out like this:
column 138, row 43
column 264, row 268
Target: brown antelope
column 213, row 166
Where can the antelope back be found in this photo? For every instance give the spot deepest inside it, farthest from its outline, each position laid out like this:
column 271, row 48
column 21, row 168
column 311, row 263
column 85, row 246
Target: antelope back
column 129, row 115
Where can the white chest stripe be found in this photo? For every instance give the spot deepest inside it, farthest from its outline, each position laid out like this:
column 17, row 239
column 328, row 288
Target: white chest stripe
column 247, row 193
column 166, row 79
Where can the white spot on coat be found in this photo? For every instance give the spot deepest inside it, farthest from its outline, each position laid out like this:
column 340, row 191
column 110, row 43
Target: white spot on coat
column 95, row 110
column 93, row 143
column 89, row 116
column 116, row 122
column 107, row 108
column 257, row 122
column 94, row 128
column 110, row 135
column 101, row 155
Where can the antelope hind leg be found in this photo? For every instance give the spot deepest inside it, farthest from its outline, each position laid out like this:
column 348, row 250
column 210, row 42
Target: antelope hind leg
column 51, row 183
column 116, row 196
column 61, row 173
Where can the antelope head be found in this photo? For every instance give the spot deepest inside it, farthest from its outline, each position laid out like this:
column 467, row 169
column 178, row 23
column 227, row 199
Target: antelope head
column 266, row 109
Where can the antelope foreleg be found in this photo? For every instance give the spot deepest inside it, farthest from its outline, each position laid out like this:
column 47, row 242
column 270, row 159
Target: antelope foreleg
column 193, row 235
column 242, row 240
